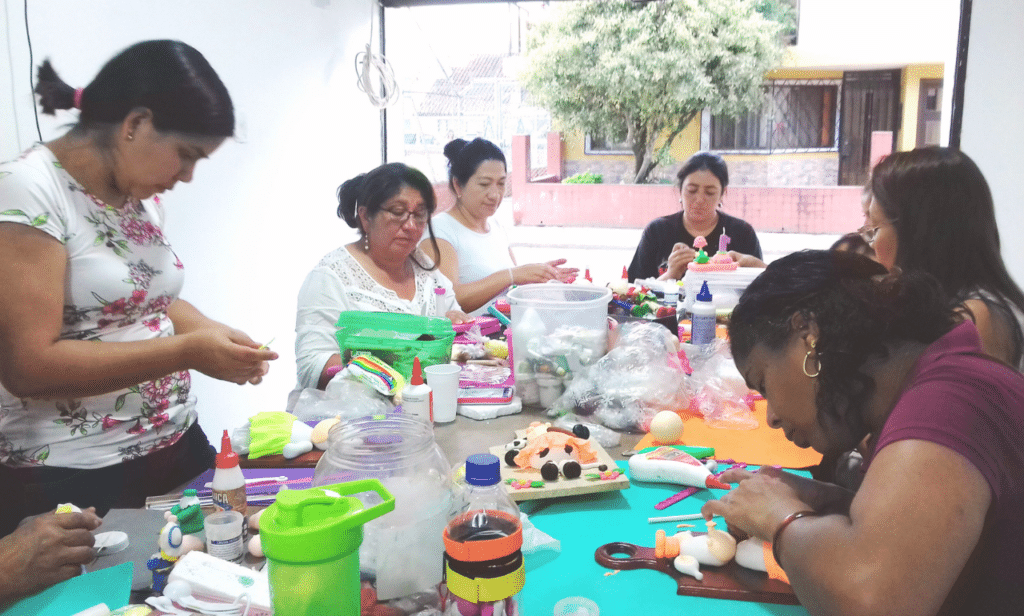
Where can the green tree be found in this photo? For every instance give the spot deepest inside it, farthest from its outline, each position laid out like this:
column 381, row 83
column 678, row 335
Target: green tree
column 650, row 67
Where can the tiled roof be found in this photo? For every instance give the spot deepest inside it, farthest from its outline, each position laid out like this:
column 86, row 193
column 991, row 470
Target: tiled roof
column 469, row 91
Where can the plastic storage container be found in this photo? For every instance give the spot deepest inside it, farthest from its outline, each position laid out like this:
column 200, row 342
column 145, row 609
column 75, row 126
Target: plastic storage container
column 311, row 539
column 396, row 338
column 557, row 329
column 484, row 567
column 726, row 287
column 402, row 551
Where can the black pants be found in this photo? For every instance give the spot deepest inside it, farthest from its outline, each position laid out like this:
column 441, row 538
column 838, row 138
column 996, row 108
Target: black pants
column 33, row 490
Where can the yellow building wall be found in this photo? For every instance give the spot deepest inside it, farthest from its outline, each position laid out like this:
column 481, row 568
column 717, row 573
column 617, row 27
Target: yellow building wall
column 911, row 91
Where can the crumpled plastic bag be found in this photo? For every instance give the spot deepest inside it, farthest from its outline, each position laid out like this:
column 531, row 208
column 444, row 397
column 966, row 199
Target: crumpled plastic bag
column 717, row 390
column 344, row 396
column 629, row 385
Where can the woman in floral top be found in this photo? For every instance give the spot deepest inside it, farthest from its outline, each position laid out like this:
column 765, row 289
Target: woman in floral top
column 95, row 346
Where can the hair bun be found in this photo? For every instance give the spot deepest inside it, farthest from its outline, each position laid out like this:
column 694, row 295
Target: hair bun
column 452, row 149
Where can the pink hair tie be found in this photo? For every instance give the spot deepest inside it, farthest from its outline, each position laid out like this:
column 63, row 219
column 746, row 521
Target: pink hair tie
column 78, row 98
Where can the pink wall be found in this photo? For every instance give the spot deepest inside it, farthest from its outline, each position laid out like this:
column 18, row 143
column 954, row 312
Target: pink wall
column 824, row 209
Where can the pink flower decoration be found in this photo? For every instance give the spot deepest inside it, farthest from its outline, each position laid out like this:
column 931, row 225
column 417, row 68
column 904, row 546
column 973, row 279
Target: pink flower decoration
column 159, row 419
column 699, row 242
column 137, row 428
column 138, row 296
column 108, row 422
column 153, row 324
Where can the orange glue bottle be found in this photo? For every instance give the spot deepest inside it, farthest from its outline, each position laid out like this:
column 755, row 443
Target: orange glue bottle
column 228, row 484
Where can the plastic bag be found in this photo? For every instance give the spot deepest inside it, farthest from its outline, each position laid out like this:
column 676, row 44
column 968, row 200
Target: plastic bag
column 717, row 390
column 345, row 397
column 636, row 379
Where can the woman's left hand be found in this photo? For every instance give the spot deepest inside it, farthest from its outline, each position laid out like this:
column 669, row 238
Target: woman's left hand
column 457, row 317
column 757, row 505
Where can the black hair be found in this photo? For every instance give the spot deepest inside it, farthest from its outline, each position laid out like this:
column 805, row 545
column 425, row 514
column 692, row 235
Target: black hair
column 704, row 161
column 372, row 189
column 170, row 78
column 941, row 208
column 859, row 308
column 464, row 158
column 853, row 242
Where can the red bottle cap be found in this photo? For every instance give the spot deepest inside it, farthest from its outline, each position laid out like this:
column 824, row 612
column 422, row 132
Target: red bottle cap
column 417, row 372
column 226, row 458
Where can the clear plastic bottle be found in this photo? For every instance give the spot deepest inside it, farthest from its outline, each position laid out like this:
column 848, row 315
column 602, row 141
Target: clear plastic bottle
column 483, row 546
column 702, row 323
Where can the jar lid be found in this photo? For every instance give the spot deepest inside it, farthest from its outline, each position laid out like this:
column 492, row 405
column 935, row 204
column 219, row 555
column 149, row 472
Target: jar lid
column 483, row 469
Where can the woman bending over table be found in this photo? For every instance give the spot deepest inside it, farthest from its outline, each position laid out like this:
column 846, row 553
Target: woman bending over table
column 840, row 351
column 95, row 345
column 667, row 242
column 382, row 271
column 474, row 249
column 931, row 210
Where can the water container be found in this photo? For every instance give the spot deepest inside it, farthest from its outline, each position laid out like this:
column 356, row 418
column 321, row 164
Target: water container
column 311, row 539
column 401, row 554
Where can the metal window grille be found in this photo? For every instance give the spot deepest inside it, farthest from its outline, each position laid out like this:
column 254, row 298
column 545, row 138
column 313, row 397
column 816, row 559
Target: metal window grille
column 796, row 116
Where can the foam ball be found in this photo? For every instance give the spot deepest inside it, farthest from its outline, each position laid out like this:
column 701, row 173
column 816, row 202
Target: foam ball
column 256, row 546
column 667, row 427
column 254, row 520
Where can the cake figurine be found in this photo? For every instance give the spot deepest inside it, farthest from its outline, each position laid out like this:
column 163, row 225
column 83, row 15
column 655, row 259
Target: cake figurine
column 189, row 513
column 721, row 262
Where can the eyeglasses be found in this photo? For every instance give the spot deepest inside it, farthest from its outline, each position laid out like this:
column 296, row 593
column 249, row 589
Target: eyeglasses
column 419, row 217
column 869, row 233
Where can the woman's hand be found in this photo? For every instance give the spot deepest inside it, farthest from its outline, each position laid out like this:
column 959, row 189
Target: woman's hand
column 229, row 355
column 532, row 273
column 457, row 317
column 758, row 504
column 44, row 550
column 678, row 259
column 746, row 260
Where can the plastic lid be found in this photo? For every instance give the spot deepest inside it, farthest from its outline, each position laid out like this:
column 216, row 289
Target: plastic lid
column 417, row 372
column 483, row 469
column 226, row 458
column 705, row 293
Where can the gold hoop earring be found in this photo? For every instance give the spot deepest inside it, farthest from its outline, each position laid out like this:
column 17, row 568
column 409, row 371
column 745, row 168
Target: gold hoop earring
column 808, row 356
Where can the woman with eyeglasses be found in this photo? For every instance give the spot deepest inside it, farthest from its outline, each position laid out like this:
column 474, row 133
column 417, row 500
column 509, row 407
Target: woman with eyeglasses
column 472, row 248
column 382, row 271
column 931, row 210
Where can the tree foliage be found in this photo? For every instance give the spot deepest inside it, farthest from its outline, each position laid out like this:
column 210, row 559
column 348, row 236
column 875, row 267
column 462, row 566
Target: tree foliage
column 602, row 65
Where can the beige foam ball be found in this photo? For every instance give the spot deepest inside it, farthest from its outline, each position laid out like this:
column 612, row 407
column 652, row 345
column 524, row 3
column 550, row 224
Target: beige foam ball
column 667, row 427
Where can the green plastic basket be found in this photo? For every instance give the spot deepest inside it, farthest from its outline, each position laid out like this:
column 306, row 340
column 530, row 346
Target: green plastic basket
column 395, row 338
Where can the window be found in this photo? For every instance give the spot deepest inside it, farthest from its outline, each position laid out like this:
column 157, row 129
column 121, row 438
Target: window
column 610, row 141
column 797, row 115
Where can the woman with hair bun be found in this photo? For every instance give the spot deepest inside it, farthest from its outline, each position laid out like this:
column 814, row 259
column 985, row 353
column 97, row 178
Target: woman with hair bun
column 472, row 247
column 96, row 346
column 666, row 245
column 382, row 271
column 846, row 355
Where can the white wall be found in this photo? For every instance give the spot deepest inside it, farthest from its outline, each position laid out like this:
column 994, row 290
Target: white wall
column 993, row 133
column 261, row 212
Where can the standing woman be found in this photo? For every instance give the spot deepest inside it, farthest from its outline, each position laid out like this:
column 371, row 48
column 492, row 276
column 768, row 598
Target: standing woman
column 95, row 345
column 667, row 242
column 382, row 271
column 473, row 249
column 931, row 210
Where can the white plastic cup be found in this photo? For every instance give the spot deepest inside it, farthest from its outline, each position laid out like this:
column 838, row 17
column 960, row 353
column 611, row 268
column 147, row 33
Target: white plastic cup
column 576, row 606
column 549, row 389
column 224, row 535
column 444, row 381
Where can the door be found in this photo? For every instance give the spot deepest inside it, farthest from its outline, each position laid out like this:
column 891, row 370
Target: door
column 929, row 112
column 870, row 103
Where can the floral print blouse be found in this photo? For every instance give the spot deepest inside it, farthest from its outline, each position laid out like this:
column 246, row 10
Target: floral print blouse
column 121, row 277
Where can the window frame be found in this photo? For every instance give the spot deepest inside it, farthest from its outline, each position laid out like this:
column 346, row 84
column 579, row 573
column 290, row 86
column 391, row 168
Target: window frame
column 706, row 115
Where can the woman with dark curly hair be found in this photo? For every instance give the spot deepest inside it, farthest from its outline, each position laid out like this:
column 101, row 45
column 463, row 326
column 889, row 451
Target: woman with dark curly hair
column 841, row 351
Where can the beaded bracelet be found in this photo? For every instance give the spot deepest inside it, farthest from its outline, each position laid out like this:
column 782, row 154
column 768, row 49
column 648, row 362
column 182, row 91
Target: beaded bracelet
column 789, row 519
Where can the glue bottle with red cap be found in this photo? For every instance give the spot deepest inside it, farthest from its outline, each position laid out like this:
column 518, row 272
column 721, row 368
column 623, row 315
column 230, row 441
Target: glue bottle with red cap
column 228, row 482
column 418, row 397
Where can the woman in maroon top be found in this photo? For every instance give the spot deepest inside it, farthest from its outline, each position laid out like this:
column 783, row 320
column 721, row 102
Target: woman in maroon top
column 840, row 351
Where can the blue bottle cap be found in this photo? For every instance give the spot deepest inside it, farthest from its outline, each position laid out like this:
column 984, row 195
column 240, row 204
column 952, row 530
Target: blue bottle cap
column 705, row 293
column 483, row 469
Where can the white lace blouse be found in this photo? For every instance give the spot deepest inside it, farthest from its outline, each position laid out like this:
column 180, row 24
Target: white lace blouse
column 339, row 283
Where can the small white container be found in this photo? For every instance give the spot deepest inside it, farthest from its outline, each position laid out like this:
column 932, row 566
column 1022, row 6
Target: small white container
column 549, row 389
column 726, row 287
column 224, row 535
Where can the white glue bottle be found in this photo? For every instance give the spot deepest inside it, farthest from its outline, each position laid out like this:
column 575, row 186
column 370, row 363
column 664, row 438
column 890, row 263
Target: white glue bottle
column 418, row 397
column 702, row 320
column 228, row 484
